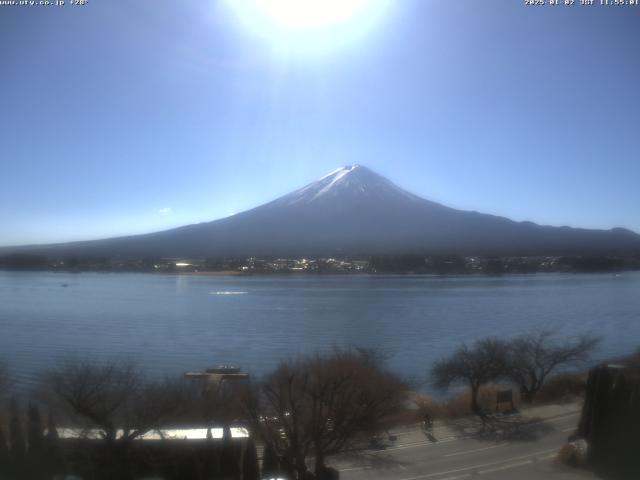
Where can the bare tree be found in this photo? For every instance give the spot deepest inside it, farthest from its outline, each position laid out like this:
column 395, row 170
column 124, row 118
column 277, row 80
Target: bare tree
column 483, row 362
column 114, row 399
column 533, row 357
column 320, row 405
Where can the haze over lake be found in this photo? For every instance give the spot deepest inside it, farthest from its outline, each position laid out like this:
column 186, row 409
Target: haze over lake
column 171, row 324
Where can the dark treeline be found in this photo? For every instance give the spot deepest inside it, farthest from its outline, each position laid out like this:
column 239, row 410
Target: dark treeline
column 102, row 421
column 35, row 451
column 24, row 262
column 460, row 265
column 384, row 264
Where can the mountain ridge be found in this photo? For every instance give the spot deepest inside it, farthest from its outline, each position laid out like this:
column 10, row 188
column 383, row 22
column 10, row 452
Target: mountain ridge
column 352, row 210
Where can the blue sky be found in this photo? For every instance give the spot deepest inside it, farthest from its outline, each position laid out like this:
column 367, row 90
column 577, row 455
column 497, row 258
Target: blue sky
column 128, row 117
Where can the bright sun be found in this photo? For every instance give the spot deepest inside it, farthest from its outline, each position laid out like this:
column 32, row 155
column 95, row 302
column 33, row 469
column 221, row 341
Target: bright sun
column 308, row 24
column 310, row 14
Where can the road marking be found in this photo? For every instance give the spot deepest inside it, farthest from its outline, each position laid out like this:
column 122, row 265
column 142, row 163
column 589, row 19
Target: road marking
column 419, row 444
column 398, row 447
column 535, row 421
column 457, row 477
column 473, row 467
column 476, row 467
column 418, row 428
column 547, row 457
column 464, row 452
column 352, row 469
column 458, row 437
column 504, row 467
column 561, row 417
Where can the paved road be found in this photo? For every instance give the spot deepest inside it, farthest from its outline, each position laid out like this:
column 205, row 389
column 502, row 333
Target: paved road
column 525, row 449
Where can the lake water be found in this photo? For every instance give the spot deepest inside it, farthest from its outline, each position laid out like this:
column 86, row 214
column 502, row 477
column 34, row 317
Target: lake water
column 171, row 324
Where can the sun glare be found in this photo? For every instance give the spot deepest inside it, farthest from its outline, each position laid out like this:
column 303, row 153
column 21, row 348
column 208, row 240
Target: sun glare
column 310, row 14
column 308, row 24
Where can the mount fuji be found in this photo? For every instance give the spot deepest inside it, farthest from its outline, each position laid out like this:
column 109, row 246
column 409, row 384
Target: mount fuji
column 353, row 211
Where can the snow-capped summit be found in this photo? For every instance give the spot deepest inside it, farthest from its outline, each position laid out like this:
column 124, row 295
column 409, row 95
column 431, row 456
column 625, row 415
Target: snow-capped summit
column 350, row 181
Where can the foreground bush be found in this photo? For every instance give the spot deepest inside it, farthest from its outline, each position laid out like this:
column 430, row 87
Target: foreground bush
column 574, row 454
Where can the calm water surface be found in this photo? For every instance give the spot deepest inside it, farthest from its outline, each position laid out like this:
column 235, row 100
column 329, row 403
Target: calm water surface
column 175, row 323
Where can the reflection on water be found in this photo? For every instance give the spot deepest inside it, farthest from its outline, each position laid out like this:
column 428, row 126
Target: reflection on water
column 172, row 324
column 227, row 293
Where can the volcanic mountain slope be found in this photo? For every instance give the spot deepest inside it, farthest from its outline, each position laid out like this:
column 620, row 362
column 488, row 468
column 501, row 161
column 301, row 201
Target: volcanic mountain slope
column 354, row 211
